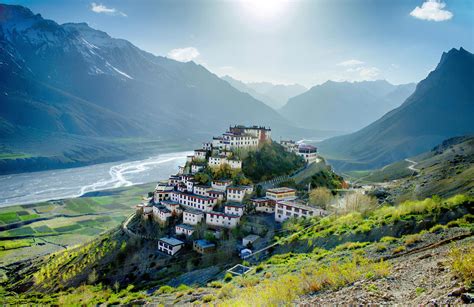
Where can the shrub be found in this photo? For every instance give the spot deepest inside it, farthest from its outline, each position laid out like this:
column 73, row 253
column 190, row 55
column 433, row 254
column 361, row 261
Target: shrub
column 388, row 239
column 412, row 239
column 259, row 268
column 437, row 228
column 351, row 246
column 380, row 247
column 228, row 277
column 165, row 289
column 226, row 291
column 182, row 288
column 208, row 298
column 462, row 263
column 399, row 249
column 215, row 284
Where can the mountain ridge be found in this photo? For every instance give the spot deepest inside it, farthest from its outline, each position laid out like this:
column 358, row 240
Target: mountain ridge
column 440, row 108
column 345, row 106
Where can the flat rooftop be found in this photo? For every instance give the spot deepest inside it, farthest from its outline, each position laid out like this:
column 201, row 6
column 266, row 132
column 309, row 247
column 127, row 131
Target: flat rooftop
column 281, row 190
column 171, row 241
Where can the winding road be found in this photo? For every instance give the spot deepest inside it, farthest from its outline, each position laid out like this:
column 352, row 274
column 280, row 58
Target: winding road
column 412, row 166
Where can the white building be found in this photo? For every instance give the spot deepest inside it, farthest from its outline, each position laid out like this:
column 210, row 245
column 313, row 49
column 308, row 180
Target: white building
column 291, row 208
column 201, row 189
column 290, row 145
column 237, row 141
column 173, row 207
column 161, row 213
column 162, row 192
column 221, row 185
column 282, row 193
column 174, row 180
column 192, row 217
column 195, row 168
column 221, row 219
column 220, row 195
column 217, row 161
column 264, row 204
column 194, row 201
column 235, row 164
column 207, row 146
column 170, row 246
column 200, row 154
column 308, row 152
column 235, row 193
column 184, row 229
column 261, row 133
column 234, row 209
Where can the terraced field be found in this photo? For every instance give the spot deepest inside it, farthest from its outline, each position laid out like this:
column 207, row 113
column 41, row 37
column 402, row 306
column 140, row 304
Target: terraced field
column 28, row 231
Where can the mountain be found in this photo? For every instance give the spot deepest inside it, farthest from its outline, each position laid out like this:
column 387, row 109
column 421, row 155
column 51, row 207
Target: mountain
column 274, row 95
column 72, row 86
column 441, row 107
column 345, row 106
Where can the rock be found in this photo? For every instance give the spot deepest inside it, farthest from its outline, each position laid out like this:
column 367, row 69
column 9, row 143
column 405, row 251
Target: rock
column 457, row 292
column 467, row 298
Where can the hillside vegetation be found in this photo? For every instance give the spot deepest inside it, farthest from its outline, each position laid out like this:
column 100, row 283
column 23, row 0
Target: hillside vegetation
column 316, row 256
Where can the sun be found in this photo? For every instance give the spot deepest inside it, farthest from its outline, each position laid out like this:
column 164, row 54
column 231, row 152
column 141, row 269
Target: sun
column 265, row 9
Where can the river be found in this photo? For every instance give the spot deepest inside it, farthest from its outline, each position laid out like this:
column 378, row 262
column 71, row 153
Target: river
column 34, row 187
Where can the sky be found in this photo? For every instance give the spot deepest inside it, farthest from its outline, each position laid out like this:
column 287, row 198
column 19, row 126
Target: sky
column 306, row 42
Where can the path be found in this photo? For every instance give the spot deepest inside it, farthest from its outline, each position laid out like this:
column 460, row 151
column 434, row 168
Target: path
column 412, row 166
column 131, row 233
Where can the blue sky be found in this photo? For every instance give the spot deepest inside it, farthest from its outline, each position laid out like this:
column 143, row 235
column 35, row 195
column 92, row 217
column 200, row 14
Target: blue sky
column 306, row 42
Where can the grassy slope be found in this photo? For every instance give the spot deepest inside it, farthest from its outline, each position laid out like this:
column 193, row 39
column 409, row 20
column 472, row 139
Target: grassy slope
column 284, row 277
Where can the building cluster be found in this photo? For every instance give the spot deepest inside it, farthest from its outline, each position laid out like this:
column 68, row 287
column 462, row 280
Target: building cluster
column 182, row 197
column 284, row 204
column 219, row 204
column 308, row 152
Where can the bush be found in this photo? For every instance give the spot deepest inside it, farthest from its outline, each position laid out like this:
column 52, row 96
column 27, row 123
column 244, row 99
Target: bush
column 412, row 239
column 437, row 228
column 259, row 268
column 462, row 263
column 228, row 277
column 165, row 289
column 208, row 298
column 351, row 246
column 215, row 284
column 399, row 249
column 380, row 247
column 388, row 239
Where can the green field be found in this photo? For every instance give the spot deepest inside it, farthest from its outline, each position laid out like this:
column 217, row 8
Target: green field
column 86, row 217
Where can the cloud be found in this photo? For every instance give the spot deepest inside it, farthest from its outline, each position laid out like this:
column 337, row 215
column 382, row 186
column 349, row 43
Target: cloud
column 351, row 62
column 183, row 54
column 364, row 73
column 432, row 10
column 102, row 9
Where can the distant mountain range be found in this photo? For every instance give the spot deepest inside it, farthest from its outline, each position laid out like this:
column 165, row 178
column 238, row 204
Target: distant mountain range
column 345, row 106
column 273, row 95
column 441, row 107
column 62, row 85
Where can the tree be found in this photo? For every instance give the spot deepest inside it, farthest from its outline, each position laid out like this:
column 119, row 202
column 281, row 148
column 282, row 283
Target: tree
column 320, row 197
column 359, row 202
column 202, row 178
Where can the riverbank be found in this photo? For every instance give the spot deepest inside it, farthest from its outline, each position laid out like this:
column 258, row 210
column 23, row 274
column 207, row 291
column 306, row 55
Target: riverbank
column 36, row 187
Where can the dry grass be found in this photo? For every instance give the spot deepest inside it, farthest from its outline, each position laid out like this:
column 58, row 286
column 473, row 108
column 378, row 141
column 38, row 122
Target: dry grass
column 462, row 263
